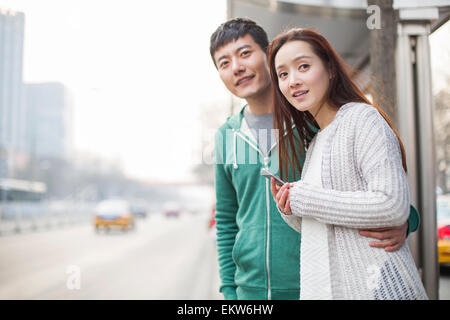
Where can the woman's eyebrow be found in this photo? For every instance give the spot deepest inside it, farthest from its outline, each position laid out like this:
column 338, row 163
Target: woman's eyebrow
column 300, row 57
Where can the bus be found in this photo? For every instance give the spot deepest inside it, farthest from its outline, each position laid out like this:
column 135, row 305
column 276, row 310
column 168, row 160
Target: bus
column 14, row 190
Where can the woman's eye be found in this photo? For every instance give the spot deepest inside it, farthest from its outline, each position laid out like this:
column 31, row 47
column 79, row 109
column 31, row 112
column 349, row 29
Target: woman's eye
column 303, row 67
column 282, row 74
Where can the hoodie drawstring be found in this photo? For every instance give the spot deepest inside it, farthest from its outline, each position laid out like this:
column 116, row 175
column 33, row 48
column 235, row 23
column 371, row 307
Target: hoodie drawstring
column 235, row 166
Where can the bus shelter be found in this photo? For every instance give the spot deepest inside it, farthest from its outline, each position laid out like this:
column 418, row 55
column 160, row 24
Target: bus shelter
column 348, row 25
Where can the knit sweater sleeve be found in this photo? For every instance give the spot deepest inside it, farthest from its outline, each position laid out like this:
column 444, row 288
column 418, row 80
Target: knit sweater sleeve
column 295, row 222
column 377, row 155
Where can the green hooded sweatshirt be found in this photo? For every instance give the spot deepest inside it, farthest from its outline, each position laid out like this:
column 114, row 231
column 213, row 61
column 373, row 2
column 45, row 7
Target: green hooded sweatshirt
column 259, row 254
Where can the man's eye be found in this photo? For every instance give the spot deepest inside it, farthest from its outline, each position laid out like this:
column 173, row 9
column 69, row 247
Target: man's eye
column 245, row 53
column 304, row 66
column 223, row 64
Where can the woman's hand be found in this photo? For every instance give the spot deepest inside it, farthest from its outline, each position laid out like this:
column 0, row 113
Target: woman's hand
column 281, row 196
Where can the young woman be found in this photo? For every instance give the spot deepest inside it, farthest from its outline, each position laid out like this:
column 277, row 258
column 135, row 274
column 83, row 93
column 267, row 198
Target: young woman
column 353, row 176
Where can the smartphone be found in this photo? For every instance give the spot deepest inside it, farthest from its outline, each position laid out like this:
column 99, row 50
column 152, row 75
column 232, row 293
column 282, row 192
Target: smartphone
column 266, row 173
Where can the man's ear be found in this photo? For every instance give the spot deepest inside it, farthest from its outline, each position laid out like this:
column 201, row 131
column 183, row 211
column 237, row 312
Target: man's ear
column 215, row 64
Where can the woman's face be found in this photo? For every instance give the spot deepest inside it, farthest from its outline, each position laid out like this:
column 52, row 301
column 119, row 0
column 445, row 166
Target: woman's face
column 302, row 77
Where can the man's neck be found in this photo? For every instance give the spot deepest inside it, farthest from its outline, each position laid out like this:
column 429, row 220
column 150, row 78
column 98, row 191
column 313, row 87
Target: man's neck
column 261, row 103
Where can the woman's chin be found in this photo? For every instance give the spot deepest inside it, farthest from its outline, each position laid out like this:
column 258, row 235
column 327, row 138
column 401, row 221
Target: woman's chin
column 301, row 107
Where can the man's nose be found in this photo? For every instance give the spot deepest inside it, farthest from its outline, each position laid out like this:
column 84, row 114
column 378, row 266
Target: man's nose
column 237, row 67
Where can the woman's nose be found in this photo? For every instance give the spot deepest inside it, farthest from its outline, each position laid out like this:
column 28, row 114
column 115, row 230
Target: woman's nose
column 294, row 81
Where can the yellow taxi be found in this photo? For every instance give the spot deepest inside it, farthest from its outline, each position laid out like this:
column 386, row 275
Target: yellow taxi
column 443, row 224
column 114, row 214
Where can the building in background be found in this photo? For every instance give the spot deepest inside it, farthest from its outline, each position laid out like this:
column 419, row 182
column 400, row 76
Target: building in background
column 12, row 113
column 36, row 130
column 49, row 120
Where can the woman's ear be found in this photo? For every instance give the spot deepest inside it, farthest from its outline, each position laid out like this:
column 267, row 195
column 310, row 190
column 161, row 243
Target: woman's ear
column 330, row 72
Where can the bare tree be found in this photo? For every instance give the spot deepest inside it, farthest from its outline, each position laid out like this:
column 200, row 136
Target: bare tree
column 382, row 58
column 442, row 137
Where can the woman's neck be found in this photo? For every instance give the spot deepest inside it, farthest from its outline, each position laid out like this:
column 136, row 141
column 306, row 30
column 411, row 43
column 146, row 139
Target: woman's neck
column 325, row 115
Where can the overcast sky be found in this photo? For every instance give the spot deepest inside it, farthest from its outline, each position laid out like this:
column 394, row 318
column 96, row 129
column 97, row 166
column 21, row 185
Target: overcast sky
column 139, row 72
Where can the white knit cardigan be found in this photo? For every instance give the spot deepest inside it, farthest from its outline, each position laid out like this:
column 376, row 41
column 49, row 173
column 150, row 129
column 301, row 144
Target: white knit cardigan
column 364, row 186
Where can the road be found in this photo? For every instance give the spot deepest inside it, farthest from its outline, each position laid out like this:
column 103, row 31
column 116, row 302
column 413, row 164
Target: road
column 164, row 258
column 444, row 283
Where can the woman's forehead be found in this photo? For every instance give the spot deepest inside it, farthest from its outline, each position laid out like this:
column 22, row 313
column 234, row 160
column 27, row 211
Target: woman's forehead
column 293, row 50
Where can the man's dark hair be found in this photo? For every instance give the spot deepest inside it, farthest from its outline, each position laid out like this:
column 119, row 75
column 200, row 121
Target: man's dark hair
column 234, row 29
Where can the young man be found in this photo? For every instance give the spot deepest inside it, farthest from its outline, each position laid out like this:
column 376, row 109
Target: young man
column 259, row 254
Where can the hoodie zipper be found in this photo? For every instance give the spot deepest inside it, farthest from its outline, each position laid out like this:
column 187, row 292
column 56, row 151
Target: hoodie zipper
column 266, row 166
column 269, row 294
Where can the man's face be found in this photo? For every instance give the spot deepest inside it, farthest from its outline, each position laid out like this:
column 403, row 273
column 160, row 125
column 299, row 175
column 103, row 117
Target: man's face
column 243, row 67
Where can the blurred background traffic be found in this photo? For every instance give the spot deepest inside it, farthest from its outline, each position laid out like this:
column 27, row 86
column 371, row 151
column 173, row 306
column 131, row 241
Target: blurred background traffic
column 107, row 117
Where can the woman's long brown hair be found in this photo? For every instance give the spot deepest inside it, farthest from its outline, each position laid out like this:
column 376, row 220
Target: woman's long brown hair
column 342, row 89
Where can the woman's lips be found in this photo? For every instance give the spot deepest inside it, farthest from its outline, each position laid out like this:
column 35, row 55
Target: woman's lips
column 300, row 95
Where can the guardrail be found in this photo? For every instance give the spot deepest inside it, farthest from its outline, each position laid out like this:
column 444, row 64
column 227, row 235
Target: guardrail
column 18, row 217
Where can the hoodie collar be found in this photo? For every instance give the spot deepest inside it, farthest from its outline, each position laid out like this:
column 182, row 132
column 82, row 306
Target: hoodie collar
column 234, row 121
